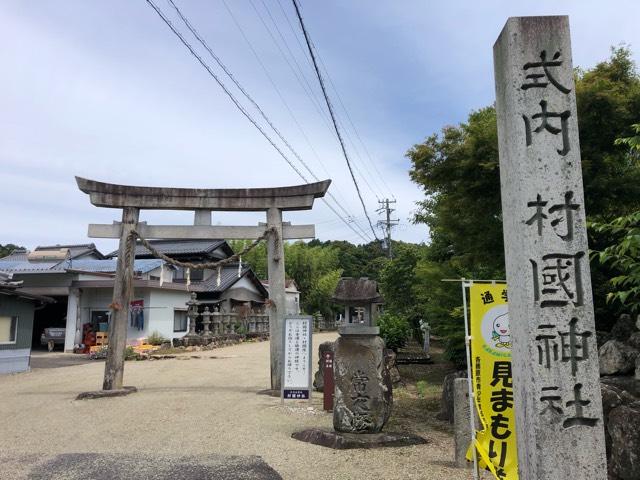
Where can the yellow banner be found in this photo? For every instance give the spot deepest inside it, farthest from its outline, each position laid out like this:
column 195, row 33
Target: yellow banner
column 493, row 381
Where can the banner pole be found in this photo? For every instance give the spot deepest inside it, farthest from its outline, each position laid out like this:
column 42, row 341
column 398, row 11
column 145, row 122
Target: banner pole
column 467, row 343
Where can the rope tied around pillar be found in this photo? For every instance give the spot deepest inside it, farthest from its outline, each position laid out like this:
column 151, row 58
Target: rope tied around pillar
column 206, row 265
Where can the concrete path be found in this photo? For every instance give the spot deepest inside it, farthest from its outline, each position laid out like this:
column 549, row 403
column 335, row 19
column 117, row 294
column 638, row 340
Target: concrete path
column 204, row 408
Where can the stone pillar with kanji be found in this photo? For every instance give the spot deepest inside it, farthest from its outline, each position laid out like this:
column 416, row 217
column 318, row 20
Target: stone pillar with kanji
column 559, row 420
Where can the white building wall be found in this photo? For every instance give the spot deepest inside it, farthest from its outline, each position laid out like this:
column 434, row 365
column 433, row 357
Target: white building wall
column 159, row 306
column 160, row 314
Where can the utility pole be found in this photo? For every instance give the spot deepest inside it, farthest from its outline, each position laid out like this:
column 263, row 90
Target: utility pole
column 388, row 222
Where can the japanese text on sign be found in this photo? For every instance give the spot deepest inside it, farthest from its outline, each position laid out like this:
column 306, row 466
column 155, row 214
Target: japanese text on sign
column 297, row 358
column 493, row 380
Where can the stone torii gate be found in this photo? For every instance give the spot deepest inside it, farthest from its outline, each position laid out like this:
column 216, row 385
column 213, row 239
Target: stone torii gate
column 132, row 199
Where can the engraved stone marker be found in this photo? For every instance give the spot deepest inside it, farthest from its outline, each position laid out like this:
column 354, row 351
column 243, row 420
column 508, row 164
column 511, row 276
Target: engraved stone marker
column 555, row 364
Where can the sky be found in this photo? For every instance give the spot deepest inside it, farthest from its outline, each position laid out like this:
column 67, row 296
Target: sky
column 105, row 90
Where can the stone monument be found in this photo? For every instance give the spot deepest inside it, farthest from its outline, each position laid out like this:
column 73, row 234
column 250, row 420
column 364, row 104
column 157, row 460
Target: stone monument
column 555, row 364
column 363, row 389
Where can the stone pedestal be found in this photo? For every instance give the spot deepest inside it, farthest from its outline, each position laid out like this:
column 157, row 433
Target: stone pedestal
column 363, row 390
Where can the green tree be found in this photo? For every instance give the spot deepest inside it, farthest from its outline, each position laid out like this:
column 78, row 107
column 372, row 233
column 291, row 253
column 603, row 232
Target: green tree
column 313, row 268
column 623, row 251
column 256, row 258
column 318, row 298
column 624, row 256
column 7, row 249
column 458, row 171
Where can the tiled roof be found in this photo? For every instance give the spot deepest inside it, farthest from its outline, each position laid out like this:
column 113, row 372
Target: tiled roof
column 228, row 276
column 23, row 266
column 74, row 250
column 89, row 265
column 177, row 247
column 108, row 266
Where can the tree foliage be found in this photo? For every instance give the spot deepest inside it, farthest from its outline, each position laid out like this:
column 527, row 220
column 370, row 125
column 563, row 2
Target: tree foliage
column 314, row 267
column 7, row 249
column 624, row 256
column 394, row 330
column 623, row 252
column 458, row 170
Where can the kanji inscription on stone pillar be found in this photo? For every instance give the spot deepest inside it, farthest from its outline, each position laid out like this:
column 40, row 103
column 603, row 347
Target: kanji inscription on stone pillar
column 559, row 419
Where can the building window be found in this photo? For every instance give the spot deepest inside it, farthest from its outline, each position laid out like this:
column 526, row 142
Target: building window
column 100, row 320
column 179, row 320
column 8, row 329
column 194, row 275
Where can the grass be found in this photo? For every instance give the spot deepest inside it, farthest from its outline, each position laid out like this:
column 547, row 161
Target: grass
column 417, row 399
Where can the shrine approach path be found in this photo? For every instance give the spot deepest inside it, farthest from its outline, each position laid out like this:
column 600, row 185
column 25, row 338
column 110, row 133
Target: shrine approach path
column 189, row 412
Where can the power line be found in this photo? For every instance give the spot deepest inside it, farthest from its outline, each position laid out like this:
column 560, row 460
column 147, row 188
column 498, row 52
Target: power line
column 333, row 117
column 300, row 77
column 237, row 103
column 303, row 82
column 217, row 59
column 355, row 130
column 262, row 113
column 282, row 99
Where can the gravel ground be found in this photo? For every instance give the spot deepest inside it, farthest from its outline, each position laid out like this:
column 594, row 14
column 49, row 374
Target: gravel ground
column 194, row 406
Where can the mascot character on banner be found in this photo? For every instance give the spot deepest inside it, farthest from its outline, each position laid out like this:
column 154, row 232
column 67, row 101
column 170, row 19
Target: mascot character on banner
column 492, row 381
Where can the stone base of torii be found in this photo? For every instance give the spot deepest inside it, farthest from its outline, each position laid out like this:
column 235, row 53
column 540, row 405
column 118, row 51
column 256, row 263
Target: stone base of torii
column 132, row 199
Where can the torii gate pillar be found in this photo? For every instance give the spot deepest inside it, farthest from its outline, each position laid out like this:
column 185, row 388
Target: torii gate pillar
column 277, row 295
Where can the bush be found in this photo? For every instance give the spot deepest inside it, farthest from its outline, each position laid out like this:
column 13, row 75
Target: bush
column 156, row 339
column 130, row 353
column 394, row 330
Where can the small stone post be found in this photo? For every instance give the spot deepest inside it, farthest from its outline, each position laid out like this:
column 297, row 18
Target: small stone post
column 122, row 293
column 216, row 320
column 206, row 323
column 192, row 314
column 275, row 264
column 461, row 421
column 556, row 385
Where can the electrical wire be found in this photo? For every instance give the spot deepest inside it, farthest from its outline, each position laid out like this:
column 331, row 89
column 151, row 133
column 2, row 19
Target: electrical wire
column 237, row 103
column 217, row 59
column 353, row 127
column 285, row 103
column 333, row 117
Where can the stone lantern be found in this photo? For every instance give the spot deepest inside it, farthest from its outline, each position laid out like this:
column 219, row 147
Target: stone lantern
column 363, row 389
column 361, row 300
